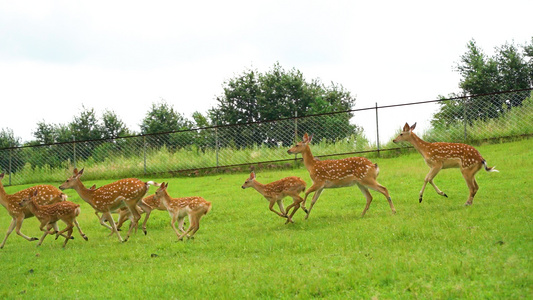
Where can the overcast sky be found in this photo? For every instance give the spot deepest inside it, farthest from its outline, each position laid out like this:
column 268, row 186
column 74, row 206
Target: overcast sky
column 56, row 56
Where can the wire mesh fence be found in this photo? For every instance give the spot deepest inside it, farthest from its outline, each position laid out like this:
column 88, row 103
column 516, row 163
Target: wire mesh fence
column 462, row 119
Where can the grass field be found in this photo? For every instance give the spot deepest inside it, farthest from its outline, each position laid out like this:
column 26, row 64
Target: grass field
column 436, row 249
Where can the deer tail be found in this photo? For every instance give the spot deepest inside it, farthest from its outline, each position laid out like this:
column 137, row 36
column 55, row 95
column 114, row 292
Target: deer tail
column 149, row 183
column 491, row 169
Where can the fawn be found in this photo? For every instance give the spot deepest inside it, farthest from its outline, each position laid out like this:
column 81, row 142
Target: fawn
column 275, row 191
column 65, row 211
column 193, row 207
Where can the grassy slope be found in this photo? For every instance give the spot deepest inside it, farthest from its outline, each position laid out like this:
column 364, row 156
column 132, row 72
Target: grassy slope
column 436, row 249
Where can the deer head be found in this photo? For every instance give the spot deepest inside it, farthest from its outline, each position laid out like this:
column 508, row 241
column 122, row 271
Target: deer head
column 405, row 135
column 301, row 146
column 249, row 181
column 26, row 200
column 72, row 181
column 161, row 191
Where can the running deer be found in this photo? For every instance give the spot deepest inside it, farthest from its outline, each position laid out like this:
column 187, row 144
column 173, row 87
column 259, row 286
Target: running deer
column 193, row 207
column 125, row 192
column 339, row 173
column 147, row 205
column 275, row 191
column 446, row 155
column 65, row 211
column 48, row 194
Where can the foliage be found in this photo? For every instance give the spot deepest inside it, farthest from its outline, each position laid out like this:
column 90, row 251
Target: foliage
column 277, row 94
column 508, row 69
column 437, row 249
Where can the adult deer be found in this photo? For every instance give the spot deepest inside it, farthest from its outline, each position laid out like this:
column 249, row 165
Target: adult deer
column 48, row 194
column 339, row 173
column 446, row 155
column 193, row 207
column 125, row 192
column 275, row 191
column 65, row 211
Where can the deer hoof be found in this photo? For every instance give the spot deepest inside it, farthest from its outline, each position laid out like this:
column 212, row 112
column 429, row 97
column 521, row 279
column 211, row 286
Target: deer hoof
column 33, row 239
column 145, row 232
column 420, row 200
column 85, row 237
column 444, row 194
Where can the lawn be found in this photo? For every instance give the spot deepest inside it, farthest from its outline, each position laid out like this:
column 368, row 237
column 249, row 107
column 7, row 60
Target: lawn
column 434, row 249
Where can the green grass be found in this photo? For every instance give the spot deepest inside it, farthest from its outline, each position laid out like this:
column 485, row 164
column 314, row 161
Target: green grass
column 436, row 249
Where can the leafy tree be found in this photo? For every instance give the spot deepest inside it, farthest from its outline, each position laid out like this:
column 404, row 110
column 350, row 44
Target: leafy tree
column 8, row 140
column 85, row 126
column 113, row 126
column 162, row 118
column 258, row 97
column 508, row 69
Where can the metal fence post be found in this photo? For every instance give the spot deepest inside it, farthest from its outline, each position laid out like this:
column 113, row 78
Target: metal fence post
column 144, row 153
column 377, row 128
column 10, row 158
column 295, row 134
column 216, row 144
column 465, row 107
column 74, row 146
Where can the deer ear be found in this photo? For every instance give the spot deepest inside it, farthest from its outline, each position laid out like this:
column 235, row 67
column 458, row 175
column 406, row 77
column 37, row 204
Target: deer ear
column 35, row 192
column 252, row 175
column 75, row 171
column 310, row 139
column 406, row 127
column 2, row 176
column 413, row 127
column 305, row 138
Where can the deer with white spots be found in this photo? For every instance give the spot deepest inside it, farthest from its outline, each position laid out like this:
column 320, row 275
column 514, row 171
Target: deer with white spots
column 193, row 207
column 440, row 156
column 125, row 192
column 275, row 191
column 65, row 211
column 339, row 173
column 48, row 194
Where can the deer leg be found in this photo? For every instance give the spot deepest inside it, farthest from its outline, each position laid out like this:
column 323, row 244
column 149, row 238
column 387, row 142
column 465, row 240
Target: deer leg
column 383, row 190
column 148, row 210
column 132, row 205
column 109, row 218
column 191, row 226
column 56, row 230
column 271, row 207
column 123, row 215
column 79, row 229
column 313, row 188
column 471, row 183
column 368, row 197
column 70, row 226
column 9, row 230
column 180, row 224
column 196, row 219
column 429, row 178
column 315, row 198
column 172, row 223
column 19, row 221
column 281, row 207
column 102, row 220
column 296, row 204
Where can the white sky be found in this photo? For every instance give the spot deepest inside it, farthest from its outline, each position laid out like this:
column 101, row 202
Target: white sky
column 56, row 56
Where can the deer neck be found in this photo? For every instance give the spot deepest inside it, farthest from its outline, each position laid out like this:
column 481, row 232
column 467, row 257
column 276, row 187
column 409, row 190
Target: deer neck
column 420, row 145
column 86, row 194
column 259, row 187
column 309, row 159
column 3, row 195
column 33, row 206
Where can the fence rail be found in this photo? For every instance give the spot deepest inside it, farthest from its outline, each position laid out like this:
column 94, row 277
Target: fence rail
column 366, row 130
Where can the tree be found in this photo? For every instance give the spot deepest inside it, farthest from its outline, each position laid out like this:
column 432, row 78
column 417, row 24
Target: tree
column 113, row 126
column 85, row 126
column 8, row 140
column 258, row 97
column 508, row 69
column 162, row 118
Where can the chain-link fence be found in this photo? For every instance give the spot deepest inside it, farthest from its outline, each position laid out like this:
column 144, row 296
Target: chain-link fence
column 367, row 130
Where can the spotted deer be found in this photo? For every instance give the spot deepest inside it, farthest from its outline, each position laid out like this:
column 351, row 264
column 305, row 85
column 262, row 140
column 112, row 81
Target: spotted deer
column 275, row 191
column 147, row 205
column 440, row 156
column 125, row 192
column 339, row 173
column 65, row 211
column 193, row 207
column 48, row 194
